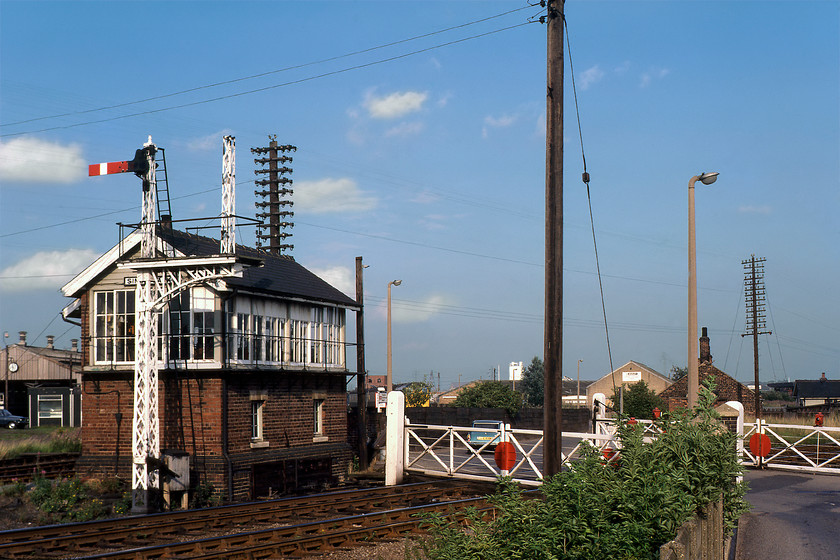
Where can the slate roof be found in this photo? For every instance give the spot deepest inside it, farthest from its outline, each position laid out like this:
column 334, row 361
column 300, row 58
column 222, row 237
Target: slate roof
column 281, row 276
column 808, row 389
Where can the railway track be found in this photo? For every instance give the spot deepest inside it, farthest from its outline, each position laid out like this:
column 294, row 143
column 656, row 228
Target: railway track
column 342, row 517
column 26, row 467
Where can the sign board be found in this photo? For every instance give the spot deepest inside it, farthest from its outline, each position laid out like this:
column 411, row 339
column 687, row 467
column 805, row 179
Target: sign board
column 381, row 399
column 130, row 281
column 631, row 376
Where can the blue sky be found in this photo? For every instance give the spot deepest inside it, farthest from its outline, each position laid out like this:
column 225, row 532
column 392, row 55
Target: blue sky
column 424, row 153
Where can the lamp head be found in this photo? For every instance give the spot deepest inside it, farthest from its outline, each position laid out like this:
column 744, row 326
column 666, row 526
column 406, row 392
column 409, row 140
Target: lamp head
column 396, row 282
column 708, row 178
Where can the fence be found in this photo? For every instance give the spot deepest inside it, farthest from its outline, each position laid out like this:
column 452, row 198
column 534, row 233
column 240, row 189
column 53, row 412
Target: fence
column 700, row 538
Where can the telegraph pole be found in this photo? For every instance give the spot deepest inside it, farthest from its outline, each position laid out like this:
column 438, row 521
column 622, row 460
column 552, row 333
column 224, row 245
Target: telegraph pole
column 553, row 333
column 755, row 296
column 361, row 386
column 277, row 183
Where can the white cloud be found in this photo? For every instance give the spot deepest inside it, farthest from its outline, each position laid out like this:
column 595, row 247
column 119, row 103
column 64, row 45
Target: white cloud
column 405, row 129
column 395, row 105
column 591, row 76
column 47, row 269
column 339, row 277
column 29, row 160
column 755, row 210
column 208, row 143
column 650, row 75
column 497, row 122
column 331, row 195
column 425, row 197
column 417, row 311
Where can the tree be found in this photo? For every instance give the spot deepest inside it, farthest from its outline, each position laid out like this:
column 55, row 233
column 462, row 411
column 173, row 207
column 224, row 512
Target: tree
column 678, row 372
column 639, row 401
column 533, row 381
column 417, row 393
column 490, row 394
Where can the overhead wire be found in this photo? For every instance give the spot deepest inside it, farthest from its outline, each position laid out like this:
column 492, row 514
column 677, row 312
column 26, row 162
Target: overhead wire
column 270, row 87
column 585, row 177
column 268, row 73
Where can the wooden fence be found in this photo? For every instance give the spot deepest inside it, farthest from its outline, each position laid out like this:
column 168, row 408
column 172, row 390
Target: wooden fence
column 700, row 538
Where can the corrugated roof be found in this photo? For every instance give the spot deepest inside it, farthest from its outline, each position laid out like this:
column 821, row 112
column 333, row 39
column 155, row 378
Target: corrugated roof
column 281, row 276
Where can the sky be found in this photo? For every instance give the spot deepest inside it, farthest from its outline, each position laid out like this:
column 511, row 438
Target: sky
column 420, row 134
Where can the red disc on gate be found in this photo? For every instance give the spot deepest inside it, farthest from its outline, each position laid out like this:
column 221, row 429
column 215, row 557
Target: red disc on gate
column 760, row 445
column 505, row 455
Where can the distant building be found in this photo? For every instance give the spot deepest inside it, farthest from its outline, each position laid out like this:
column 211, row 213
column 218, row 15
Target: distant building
column 629, row 374
column 820, row 393
column 515, row 371
column 43, row 382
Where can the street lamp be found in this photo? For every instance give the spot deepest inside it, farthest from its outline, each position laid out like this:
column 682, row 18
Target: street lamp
column 389, row 380
column 693, row 372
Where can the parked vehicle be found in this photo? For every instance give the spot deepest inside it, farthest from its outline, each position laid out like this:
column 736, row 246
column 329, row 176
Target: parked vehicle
column 493, row 436
column 12, row 421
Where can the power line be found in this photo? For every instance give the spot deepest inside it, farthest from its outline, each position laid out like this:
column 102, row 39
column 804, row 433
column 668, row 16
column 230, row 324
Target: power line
column 268, row 88
column 268, row 73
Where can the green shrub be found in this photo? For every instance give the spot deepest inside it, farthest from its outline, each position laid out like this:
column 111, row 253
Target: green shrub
column 65, row 500
column 595, row 511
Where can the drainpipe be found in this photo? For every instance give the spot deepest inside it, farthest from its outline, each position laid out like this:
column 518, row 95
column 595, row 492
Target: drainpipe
column 225, row 365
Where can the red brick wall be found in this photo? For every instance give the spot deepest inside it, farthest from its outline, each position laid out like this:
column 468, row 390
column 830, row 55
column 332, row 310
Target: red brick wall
column 191, row 412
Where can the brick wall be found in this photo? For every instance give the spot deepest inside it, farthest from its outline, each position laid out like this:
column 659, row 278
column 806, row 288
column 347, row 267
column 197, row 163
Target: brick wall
column 191, row 412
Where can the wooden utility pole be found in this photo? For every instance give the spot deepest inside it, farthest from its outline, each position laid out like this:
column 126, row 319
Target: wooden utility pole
column 553, row 334
column 754, row 289
column 361, row 386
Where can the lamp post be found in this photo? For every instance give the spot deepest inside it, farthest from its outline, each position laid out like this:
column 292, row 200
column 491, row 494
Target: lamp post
column 693, row 372
column 577, row 397
column 389, row 380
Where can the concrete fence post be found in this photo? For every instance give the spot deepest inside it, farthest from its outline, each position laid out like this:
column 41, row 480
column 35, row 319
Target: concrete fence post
column 394, row 438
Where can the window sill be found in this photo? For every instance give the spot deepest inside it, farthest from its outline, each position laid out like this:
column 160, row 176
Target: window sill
column 258, row 444
column 320, row 439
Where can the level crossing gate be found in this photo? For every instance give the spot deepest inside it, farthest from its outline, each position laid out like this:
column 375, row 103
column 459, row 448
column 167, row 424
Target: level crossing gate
column 447, row 451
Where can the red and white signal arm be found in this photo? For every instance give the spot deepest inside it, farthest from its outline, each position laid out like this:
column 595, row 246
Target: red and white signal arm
column 108, row 168
column 137, row 165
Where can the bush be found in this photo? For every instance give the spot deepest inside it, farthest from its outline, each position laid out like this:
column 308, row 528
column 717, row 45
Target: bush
column 592, row 511
column 65, row 500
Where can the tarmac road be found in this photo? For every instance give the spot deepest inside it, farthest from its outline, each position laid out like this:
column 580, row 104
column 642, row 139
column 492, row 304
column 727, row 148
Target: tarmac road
column 795, row 516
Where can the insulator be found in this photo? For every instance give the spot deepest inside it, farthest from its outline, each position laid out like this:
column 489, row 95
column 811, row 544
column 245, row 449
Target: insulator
column 280, row 159
column 279, row 170
column 260, row 150
column 286, row 224
column 267, row 182
column 281, row 192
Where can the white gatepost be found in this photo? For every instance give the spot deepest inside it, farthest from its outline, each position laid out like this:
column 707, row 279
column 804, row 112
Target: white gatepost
column 394, row 438
column 739, row 430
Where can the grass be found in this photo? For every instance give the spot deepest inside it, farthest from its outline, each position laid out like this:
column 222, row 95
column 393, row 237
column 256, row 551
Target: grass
column 14, row 443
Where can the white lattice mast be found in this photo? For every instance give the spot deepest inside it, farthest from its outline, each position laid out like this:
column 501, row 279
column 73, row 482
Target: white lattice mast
column 158, row 280
column 228, row 238
column 145, row 436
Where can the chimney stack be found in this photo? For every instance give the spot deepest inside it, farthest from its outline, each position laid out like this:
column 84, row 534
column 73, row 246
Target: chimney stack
column 50, row 341
column 74, row 344
column 705, row 349
column 22, row 340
